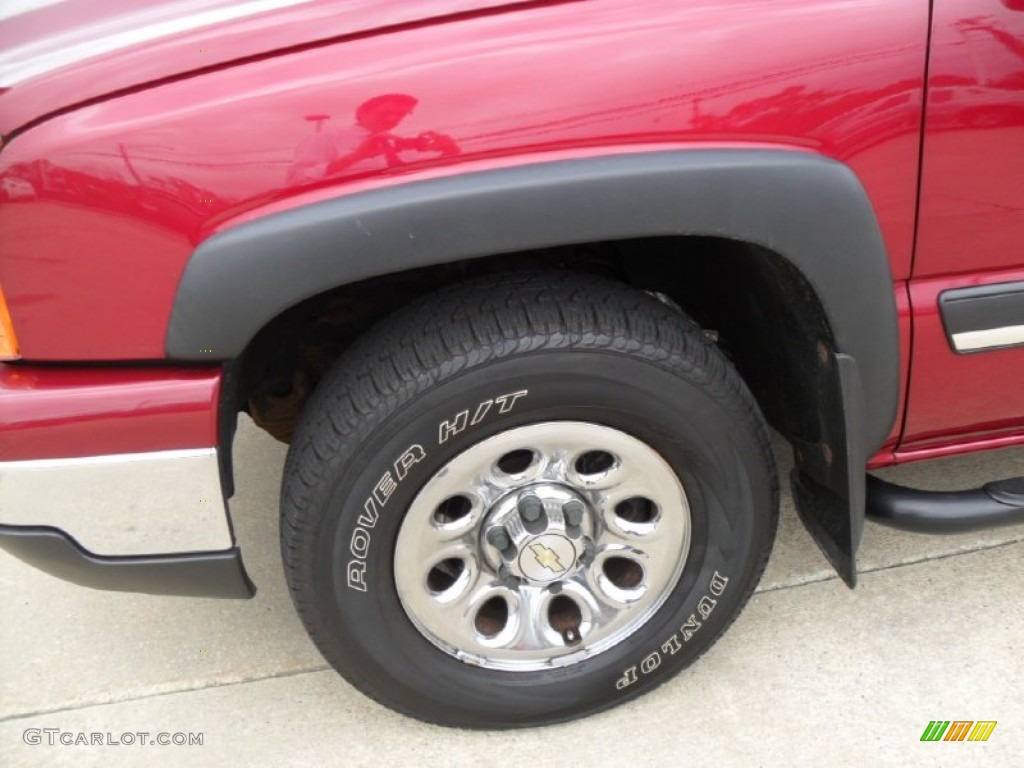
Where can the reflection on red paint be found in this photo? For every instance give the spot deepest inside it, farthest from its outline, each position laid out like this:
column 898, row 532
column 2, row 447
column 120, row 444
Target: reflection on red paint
column 368, row 144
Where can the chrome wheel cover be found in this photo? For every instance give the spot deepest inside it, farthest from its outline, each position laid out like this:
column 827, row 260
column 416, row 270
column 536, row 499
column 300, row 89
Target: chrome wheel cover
column 542, row 546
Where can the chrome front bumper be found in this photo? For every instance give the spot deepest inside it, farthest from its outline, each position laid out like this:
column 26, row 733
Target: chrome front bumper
column 138, row 504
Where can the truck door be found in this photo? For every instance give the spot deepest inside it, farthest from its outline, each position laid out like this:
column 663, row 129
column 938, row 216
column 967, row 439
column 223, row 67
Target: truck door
column 967, row 289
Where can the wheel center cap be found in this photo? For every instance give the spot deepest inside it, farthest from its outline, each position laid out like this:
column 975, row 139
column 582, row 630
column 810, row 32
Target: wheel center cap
column 538, row 533
column 546, row 557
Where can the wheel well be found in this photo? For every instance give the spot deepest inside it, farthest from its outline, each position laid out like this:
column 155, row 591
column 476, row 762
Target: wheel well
column 763, row 312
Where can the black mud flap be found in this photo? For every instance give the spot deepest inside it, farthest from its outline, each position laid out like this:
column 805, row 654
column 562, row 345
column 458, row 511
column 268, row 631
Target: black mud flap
column 829, row 479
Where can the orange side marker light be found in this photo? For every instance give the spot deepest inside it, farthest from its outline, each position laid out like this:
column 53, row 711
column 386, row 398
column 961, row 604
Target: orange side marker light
column 8, row 341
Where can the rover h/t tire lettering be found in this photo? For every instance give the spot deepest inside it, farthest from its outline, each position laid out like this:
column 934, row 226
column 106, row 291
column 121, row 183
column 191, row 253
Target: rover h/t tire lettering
column 504, row 505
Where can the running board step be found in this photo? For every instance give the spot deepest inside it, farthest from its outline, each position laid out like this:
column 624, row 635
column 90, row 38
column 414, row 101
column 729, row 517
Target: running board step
column 994, row 504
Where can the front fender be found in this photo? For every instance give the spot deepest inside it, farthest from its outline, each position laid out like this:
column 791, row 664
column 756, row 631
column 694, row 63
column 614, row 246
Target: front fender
column 810, row 210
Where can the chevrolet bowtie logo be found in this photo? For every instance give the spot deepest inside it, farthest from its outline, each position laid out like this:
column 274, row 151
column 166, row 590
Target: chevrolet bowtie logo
column 547, row 557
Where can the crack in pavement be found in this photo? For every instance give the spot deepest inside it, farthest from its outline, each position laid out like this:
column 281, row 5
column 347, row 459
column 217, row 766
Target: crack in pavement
column 893, row 566
column 221, row 684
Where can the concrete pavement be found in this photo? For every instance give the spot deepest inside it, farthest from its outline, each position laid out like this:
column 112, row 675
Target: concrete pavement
column 811, row 673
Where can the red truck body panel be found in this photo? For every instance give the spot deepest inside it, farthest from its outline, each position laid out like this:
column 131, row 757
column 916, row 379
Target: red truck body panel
column 73, row 52
column 150, row 148
column 125, row 188
column 58, row 413
column 971, row 226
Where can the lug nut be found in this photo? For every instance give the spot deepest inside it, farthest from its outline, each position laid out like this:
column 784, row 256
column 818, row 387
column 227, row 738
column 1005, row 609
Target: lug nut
column 589, row 552
column 498, row 537
column 507, row 578
column 530, row 507
column 573, row 511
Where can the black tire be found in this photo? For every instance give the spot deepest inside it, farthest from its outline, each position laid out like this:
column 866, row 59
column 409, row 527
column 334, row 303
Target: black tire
column 585, row 349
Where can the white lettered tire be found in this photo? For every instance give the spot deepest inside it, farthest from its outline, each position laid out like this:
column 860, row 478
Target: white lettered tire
column 525, row 499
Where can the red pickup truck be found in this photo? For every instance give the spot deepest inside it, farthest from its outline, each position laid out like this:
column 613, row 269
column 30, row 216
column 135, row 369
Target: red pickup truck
column 523, row 285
